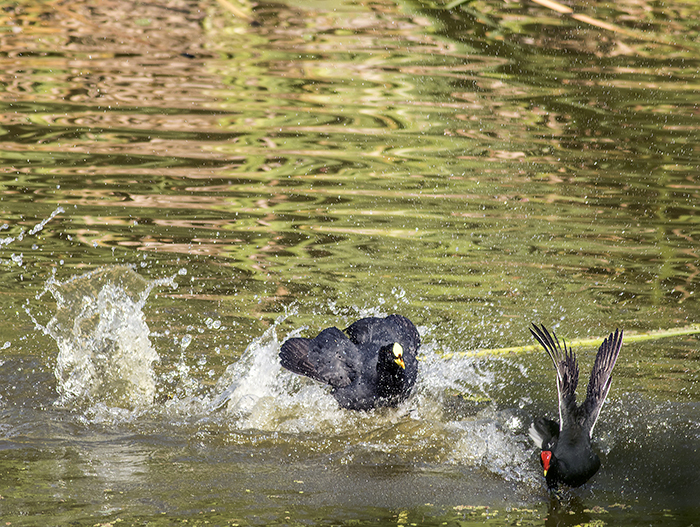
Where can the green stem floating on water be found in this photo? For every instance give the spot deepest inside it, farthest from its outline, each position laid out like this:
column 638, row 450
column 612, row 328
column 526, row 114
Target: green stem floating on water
column 693, row 329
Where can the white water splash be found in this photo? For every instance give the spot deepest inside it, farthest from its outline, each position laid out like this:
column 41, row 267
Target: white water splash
column 37, row 228
column 449, row 418
column 105, row 355
column 253, row 376
column 487, row 442
column 40, row 226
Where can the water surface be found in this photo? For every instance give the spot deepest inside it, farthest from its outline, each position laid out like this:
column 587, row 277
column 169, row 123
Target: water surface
column 183, row 188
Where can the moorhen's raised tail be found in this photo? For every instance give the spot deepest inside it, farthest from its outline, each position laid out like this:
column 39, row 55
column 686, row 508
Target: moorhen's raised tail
column 371, row 364
column 567, row 456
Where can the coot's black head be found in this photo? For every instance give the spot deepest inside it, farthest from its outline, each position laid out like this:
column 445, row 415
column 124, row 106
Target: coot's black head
column 392, row 386
column 391, row 358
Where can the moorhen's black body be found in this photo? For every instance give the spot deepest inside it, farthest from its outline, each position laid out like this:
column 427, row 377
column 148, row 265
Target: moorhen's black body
column 567, row 456
column 372, row 364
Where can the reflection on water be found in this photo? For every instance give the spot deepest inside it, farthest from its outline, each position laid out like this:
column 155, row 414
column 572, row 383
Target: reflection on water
column 302, row 165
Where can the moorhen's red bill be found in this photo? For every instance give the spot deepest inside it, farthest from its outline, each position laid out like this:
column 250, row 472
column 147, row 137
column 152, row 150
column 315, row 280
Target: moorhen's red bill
column 567, row 456
column 372, row 364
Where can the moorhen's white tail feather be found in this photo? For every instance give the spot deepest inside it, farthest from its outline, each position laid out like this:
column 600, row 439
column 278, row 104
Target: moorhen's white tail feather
column 544, row 433
column 566, row 365
column 601, row 380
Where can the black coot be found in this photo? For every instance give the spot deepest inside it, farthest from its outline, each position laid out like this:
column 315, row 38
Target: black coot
column 371, row 364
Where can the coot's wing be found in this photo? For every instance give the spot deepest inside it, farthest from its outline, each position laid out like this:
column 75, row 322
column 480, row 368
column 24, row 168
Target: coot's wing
column 567, row 373
column 383, row 331
column 601, row 379
column 330, row 357
column 294, row 355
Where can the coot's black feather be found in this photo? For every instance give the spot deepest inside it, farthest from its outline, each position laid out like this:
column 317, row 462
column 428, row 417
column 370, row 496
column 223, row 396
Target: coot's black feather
column 362, row 364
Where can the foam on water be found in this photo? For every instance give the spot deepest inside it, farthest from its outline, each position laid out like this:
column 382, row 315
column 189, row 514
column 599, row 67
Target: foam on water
column 105, row 354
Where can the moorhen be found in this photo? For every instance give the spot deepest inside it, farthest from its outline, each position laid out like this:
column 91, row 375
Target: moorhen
column 372, row 364
column 567, row 456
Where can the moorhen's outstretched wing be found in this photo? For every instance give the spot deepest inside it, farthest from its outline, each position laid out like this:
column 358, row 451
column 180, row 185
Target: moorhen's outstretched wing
column 601, row 379
column 567, row 373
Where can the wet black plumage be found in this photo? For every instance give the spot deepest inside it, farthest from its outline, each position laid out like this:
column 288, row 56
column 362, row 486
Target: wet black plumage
column 567, row 455
column 363, row 365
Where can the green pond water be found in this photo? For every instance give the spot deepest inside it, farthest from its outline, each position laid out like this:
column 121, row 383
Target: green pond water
column 184, row 185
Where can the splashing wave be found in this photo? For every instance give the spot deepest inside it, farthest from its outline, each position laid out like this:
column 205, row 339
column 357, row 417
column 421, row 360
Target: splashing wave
column 105, row 354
